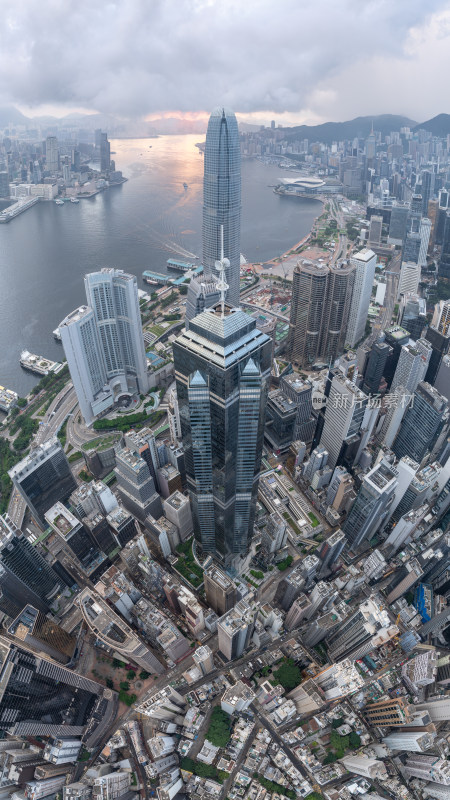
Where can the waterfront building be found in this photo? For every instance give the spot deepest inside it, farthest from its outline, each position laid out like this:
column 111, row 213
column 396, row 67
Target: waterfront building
column 43, row 478
column 52, row 154
column 221, row 228
column 103, row 343
column 365, row 263
column 222, row 370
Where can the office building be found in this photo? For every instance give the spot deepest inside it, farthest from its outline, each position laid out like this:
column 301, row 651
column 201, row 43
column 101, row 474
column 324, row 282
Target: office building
column 103, row 149
column 297, row 612
column 4, row 184
column 375, row 229
column 43, row 698
column 388, row 713
column 361, row 632
column 421, row 423
column 371, row 507
column 221, row 229
column 62, row 751
column 220, row 590
column 330, row 550
column 442, row 381
column 438, row 708
column 413, row 314
column 42, row 634
column 397, row 224
column 72, row 532
column 122, row 525
column 42, row 478
column 365, row 263
column 444, row 261
column 374, row 371
column 396, row 337
column 421, row 670
column 321, row 298
column 365, row 766
column 52, row 154
column 235, row 629
column 425, row 233
column 289, row 588
column 222, row 369
column 440, row 343
column 204, row 659
column 309, row 291
column 177, row 509
column 411, row 741
column 144, row 444
column 37, row 789
column 434, row 791
column 344, row 417
column 25, row 576
column 135, row 485
column 428, row 768
column 409, row 278
column 112, row 786
column 412, row 365
column 103, row 343
column 114, row 633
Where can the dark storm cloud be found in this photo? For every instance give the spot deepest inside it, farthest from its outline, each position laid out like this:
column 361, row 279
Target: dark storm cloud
column 137, row 57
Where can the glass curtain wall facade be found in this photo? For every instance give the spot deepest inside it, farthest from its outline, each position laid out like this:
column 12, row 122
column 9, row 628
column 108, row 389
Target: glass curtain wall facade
column 222, row 370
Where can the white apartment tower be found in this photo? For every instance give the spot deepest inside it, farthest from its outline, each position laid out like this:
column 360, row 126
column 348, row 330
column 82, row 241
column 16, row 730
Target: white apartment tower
column 365, row 262
column 103, row 343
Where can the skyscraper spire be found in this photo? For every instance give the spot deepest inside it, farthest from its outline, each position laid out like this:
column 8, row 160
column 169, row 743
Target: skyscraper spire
column 221, row 267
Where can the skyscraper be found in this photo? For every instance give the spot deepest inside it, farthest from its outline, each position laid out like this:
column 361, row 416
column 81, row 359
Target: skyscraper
column 371, row 506
column 52, row 154
column 103, row 342
column 42, row 698
column 421, row 424
column 25, row 576
column 222, row 368
column 42, row 478
column 375, row 366
column 344, row 417
column 412, row 365
column 321, row 302
column 365, row 262
column 221, row 207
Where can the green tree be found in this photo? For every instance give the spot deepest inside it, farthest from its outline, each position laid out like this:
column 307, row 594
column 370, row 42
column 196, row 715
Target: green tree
column 288, row 675
column 131, row 674
column 354, row 740
column 124, row 685
column 219, row 728
column 110, row 683
column 144, row 675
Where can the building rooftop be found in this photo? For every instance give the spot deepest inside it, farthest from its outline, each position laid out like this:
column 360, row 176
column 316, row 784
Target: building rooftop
column 61, row 519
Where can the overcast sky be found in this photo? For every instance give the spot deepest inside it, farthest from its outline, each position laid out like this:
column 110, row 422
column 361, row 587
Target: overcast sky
column 293, row 60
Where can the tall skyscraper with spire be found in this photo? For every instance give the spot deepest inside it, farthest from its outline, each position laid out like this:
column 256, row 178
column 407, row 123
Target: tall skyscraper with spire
column 222, row 370
column 221, row 209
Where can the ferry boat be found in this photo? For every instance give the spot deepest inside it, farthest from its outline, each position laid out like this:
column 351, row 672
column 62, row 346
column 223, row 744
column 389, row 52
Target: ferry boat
column 59, row 202
column 38, row 364
column 74, row 200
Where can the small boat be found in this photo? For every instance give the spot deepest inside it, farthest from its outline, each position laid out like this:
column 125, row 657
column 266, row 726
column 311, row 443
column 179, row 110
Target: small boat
column 59, row 202
column 185, row 186
column 150, row 145
column 74, row 200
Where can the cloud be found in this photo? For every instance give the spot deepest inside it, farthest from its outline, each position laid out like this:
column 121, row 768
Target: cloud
column 137, row 57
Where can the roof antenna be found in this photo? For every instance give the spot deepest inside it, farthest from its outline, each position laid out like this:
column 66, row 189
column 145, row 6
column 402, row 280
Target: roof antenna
column 221, row 266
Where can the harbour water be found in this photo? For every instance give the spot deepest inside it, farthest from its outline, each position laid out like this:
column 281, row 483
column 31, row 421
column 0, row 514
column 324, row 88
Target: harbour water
column 138, row 225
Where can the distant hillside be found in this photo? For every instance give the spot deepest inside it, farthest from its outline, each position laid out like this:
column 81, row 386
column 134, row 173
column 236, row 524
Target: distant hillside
column 330, row 132
column 438, row 126
column 9, row 114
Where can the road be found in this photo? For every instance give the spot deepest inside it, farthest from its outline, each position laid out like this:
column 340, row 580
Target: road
column 264, row 310
column 281, row 744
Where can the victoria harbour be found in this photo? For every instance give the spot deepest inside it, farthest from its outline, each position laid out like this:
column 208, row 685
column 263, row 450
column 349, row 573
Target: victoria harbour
column 138, row 225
